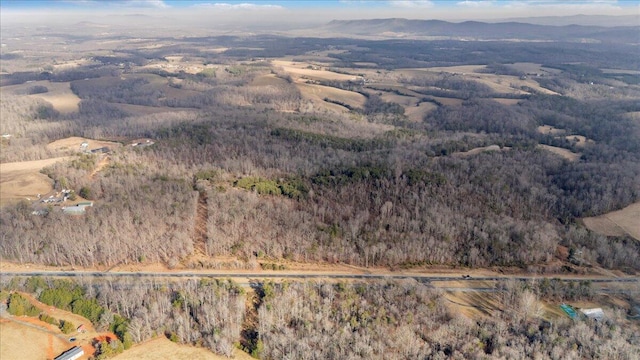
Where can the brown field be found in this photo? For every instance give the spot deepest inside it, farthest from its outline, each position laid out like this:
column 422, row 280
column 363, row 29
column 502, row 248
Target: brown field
column 23, row 179
column 72, row 144
column 65, row 65
column 59, row 94
column 479, row 150
column 603, row 226
column 617, row 223
column 564, row 153
column 449, row 101
column 298, row 70
column 406, row 101
column 548, row 129
column 161, row 348
column 417, row 113
column 317, row 93
column 22, row 341
column 506, row 101
column 499, row 83
column 268, row 80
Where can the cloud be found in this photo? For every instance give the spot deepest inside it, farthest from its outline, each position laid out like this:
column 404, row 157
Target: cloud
column 242, row 6
column 146, row 3
column 411, row 3
column 158, row 4
column 476, row 3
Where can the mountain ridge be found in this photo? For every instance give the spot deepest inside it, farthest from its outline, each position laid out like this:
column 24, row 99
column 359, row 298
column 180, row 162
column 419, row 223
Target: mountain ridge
column 399, row 27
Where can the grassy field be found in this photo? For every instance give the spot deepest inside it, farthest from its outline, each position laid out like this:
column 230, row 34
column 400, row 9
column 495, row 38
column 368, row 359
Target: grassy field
column 616, row 223
column 317, row 94
column 268, row 80
column 564, row 153
column 23, row 179
column 548, row 129
column 161, row 348
column 505, row 84
column 59, row 94
column 504, row 101
column 417, row 113
column 479, row 150
column 21, row 341
column 309, row 71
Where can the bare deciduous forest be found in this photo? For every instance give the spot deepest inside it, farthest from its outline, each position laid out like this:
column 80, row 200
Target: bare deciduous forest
column 273, row 151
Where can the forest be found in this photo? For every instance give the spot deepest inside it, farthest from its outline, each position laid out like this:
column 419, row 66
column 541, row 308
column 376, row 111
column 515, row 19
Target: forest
column 396, row 319
column 365, row 186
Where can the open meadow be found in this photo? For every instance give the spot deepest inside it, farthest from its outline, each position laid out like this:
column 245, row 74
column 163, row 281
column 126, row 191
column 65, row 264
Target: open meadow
column 617, row 223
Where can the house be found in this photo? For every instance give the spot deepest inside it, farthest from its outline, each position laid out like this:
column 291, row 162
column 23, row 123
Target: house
column 71, row 354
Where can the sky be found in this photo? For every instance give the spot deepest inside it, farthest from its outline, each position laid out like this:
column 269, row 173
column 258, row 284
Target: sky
column 318, row 10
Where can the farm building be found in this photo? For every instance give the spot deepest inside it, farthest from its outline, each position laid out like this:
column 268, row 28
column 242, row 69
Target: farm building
column 596, row 314
column 71, row 354
column 102, row 150
column 78, row 209
column 142, row 142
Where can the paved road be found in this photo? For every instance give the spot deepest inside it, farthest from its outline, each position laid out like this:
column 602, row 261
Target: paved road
column 312, row 275
column 247, row 279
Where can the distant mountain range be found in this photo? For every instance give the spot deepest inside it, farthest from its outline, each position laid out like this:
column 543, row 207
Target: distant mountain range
column 587, row 20
column 475, row 30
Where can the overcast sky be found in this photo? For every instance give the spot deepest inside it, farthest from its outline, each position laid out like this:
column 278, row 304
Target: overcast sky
column 310, row 11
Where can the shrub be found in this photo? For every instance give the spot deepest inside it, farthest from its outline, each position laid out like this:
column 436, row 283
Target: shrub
column 19, row 306
column 67, row 327
column 49, row 319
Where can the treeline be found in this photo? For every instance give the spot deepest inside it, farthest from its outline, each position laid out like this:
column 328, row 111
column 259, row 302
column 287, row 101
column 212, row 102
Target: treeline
column 399, row 319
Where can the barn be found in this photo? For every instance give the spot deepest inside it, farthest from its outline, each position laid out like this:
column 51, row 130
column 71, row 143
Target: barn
column 71, row 354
